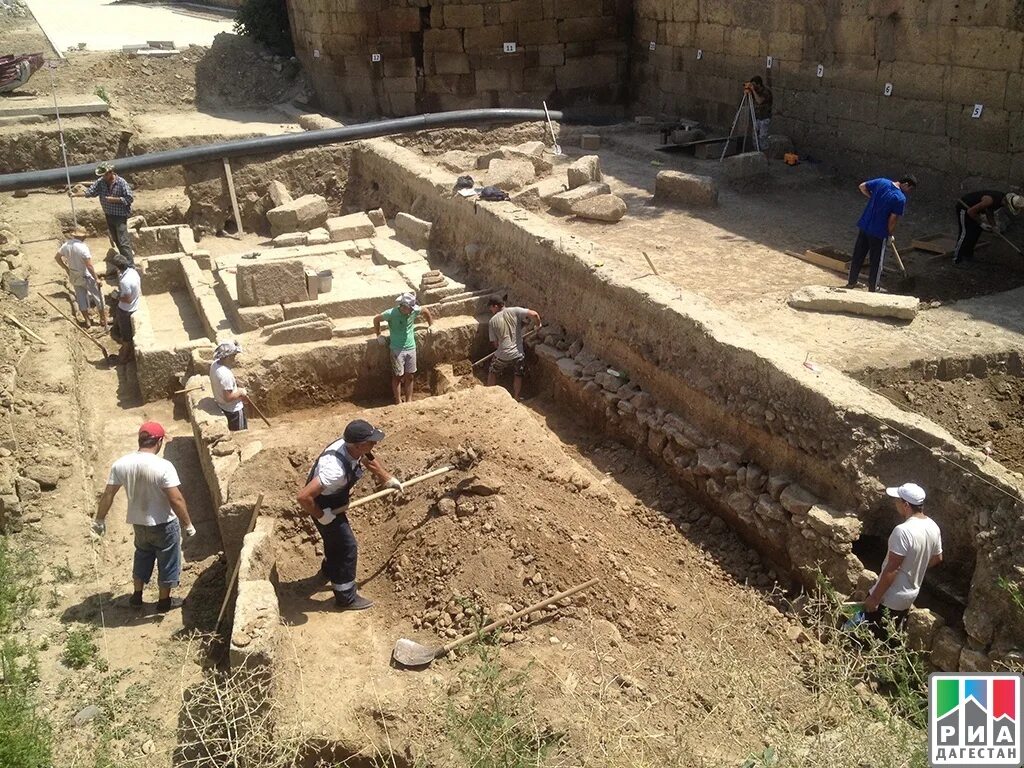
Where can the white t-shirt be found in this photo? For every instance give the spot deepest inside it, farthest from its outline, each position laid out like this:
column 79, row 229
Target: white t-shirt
column 223, row 380
column 144, row 477
column 918, row 539
column 505, row 328
column 77, row 255
column 129, row 284
column 329, row 469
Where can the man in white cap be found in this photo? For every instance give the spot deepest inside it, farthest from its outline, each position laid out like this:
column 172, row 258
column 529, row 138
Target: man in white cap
column 325, row 498
column 915, row 545
column 229, row 396
column 975, row 213
column 75, row 258
column 401, row 320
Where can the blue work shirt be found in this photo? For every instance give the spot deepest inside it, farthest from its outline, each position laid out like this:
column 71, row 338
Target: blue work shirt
column 886, row 198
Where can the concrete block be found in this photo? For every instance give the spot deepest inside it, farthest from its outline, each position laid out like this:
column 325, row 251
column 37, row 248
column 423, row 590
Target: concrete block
column 676, row 187
column 318, row 330
column 279, row 193
column 289, row 239
column 563, row 201
column 590, row 141
column 584, row 171
column 255, row 628
column 822, row 298
column 271, row 282
column 509, row 175
column 610, row 208
column 351, row 227
column 303, row 214
column 746, row 169
column 412, row 231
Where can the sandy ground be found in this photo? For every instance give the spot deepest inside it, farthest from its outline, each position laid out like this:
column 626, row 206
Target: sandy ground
column 104, row 25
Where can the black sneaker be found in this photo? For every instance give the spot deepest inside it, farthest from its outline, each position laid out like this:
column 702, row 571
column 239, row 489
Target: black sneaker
column 167, row 604
column 135, row 601
column 322, row 573
column 357, row 603
column 850, row 285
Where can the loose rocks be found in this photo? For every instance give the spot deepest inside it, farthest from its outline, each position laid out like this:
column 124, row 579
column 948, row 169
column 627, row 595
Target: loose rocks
column 600, row 208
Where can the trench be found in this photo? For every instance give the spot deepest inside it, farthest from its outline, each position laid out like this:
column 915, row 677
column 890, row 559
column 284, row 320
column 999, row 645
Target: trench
column 743, row 466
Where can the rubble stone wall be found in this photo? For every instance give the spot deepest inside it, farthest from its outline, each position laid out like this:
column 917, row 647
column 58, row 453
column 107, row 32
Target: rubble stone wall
column 837, row 440
column 449, row 55
column 941, row 58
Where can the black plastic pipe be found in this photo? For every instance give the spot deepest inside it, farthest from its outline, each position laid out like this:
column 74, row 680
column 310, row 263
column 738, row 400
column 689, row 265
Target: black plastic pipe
column 286, row 142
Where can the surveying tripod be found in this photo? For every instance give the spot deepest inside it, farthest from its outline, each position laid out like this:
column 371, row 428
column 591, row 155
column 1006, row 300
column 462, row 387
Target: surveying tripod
column 747, row 105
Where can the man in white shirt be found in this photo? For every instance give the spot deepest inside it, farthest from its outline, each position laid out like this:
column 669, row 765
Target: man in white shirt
column 915, row 545
column 505, row 330
column 75, row 258
column 229, row 396
column 156, row 510
column 129, row 287
column 325, row 498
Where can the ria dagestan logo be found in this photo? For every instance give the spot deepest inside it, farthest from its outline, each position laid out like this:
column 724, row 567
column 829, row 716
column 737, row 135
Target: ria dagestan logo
column 975, row 720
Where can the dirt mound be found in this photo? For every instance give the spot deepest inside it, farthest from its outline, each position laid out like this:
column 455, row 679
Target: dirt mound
column 236, row 71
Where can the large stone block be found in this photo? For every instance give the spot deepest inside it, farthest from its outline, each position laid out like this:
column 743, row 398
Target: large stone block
column 259, row 552
column 746, row 169
column 317, row 330
column 822, row 298
column 609, row 208
column 412, row 231
column 351, row 227
column 270, row 282
column 946, row 648
column 676, row 187
column 564, row 201
column 279, row 193
column 306, row 213
column 255, row 627
column 509, row 175
column 584, row 171
column 156, row 241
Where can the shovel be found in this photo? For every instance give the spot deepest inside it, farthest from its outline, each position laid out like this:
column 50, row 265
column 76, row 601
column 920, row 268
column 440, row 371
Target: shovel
column 409, row 653
column 555, row 149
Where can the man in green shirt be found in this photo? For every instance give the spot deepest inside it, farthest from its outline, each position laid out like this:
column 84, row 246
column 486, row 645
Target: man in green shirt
column 401, row 320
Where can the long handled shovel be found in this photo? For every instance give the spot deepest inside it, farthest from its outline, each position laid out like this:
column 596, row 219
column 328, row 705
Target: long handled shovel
column 485, row 358
column 409, row 653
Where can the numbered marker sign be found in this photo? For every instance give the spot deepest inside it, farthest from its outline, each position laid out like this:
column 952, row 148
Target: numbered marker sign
column 978, row 109
column 508, row 47
column 374, row 57
column 700, row 53
column 652, row 46
column 768, row 62
column 821, row 70
column 316, row 53
column 888, row 89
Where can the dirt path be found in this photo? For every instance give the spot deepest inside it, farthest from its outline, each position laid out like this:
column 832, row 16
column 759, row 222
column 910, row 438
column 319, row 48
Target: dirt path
column 77, row 415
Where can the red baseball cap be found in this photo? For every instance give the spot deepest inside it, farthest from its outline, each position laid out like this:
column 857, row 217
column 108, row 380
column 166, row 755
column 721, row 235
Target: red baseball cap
column 151, row 429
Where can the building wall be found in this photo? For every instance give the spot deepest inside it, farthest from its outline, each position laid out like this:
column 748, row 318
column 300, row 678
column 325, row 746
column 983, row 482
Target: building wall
column 941, row 56
column 449, row 55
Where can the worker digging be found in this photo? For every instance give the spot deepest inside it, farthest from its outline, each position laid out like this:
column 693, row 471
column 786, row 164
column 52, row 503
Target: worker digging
column 325, row 498
column 505, row 331
column 887, row 200
column 976, row 213
column 230, row 398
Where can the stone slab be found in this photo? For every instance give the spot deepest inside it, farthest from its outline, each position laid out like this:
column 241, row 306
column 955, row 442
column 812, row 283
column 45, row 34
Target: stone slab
column 271, row 282
column 747, row 168
column 412, row 231
column 685, row 189
column 563, row 201
column 609, row 208
column 822, row 298
column 351, row 227
column 394, row 254
column 584, row 171
column 317, row 330
column 18, row 106
column 303, row 214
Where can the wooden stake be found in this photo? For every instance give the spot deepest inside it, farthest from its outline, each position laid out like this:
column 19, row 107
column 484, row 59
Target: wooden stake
column 651, row 263
column 231, row 193
column 190, row 389
column 76, row 326
column 238, row 564
column 24, row 328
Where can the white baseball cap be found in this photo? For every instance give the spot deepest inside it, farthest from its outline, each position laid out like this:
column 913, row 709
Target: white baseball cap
column 912, row 493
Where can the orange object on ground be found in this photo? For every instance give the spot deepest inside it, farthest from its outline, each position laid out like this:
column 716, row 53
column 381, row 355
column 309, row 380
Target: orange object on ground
column 791, row 158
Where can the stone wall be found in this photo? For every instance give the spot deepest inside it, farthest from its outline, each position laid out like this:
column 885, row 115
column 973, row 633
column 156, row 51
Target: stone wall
column 842, row 443
column 449, row 55
column 941, row 58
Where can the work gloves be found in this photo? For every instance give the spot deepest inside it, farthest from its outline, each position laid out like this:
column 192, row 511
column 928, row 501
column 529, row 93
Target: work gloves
column 99, row 527
column 190, row 530
column 395, row 483
column 327, row 517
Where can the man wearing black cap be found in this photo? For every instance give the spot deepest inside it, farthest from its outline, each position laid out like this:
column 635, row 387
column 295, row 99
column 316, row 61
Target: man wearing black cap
column 325, row 498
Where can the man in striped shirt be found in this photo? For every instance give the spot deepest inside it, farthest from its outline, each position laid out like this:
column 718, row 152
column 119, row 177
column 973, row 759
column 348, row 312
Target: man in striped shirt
column 116, row 201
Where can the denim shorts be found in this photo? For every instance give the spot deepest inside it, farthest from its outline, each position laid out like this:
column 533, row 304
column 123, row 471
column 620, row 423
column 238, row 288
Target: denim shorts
column 158, row 545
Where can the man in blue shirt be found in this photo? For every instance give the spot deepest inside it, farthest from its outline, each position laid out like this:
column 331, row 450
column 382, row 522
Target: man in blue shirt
column 886, row 201
column 116, row 201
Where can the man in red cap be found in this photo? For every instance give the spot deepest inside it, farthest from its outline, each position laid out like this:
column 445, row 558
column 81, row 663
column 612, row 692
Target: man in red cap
column 325, row 498
column 156, row 510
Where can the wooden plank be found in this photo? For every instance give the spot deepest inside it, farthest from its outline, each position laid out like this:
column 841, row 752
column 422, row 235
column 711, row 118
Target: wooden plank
column 19, row 106
column 829, row 258
column 234, row 202
column 940, row 243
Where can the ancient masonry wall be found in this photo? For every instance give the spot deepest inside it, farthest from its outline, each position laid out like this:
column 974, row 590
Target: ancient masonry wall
column 450, row 55
column 941, row 59
column 742, row 420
